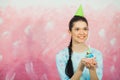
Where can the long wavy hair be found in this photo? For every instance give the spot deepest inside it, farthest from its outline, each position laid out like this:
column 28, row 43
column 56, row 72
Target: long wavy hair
column 69, row 67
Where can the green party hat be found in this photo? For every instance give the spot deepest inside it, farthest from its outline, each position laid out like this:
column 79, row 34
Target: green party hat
column 79, row 11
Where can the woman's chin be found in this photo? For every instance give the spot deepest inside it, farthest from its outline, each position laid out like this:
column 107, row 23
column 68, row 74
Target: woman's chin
column 81, row 41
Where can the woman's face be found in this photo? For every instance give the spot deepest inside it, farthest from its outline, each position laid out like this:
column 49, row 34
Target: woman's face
column 79, row 32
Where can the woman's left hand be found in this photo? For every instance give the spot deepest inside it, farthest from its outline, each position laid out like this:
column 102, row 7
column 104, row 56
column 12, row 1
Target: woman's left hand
column 91, row 63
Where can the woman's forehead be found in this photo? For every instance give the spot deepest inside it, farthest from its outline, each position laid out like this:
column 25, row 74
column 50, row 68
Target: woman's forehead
column 80, row 24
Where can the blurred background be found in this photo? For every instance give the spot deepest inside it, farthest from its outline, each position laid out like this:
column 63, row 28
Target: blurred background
column 32, row 32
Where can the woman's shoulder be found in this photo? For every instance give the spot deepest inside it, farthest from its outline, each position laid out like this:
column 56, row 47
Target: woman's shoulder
column 63, row 53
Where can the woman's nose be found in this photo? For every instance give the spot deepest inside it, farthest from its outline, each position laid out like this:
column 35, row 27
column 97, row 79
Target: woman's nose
column 81, row 32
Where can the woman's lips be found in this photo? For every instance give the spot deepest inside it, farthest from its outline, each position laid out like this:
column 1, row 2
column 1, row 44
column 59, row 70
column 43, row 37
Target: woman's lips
column 81, row 37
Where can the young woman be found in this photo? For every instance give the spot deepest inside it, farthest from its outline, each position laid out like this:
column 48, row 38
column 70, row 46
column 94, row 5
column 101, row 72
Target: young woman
column 72, row 62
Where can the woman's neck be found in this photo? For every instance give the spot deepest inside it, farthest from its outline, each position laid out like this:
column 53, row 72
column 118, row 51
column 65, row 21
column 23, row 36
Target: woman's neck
column 79, row 47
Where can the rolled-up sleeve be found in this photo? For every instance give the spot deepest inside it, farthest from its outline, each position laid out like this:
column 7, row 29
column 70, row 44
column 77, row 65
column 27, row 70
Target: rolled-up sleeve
column 99, row 70
column 61, row 64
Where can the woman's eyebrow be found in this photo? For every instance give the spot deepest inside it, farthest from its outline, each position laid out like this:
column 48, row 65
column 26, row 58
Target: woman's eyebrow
column 80, row 27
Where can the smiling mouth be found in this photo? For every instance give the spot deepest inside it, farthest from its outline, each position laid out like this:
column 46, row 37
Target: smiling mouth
column 81, row 37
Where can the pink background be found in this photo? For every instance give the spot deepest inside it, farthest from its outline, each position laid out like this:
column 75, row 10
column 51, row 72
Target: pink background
column 33, row 31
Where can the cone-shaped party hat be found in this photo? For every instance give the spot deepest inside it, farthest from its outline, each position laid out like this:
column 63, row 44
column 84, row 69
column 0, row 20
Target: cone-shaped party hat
column 79, row 11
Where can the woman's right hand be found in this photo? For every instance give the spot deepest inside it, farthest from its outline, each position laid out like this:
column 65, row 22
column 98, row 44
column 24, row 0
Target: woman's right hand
column 87, row 62
column 82, row 64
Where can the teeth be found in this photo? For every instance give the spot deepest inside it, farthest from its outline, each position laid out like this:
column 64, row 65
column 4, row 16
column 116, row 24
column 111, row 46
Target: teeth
column 81, row 37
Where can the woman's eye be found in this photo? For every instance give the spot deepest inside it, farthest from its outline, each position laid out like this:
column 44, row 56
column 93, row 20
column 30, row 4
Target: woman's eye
column 85, row 28
column 77, row 29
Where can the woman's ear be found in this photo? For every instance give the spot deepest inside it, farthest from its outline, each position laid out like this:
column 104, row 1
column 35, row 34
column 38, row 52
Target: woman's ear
column 69, row 32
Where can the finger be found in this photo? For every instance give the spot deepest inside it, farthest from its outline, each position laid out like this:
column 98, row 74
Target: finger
column 88, row 60
column 93, row 65
column 93, row 62
column 87, row 65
